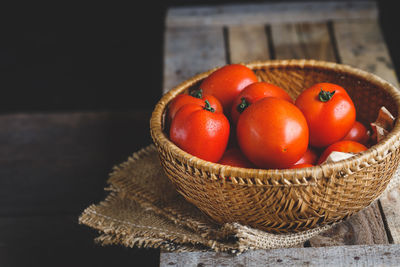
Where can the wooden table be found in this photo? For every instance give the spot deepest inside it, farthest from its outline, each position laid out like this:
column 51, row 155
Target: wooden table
column 199, row 38
column 54, row 165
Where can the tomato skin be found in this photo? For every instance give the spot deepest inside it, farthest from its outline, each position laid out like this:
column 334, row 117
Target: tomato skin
column 183, row 99
column 358, row 133
column 310, row 157
column 346, row 146
column 328, row 121
column 200, row 132
column 302, row 165
column 272, row 133
column 234, row 157
column 255, row 92
column 226, row 83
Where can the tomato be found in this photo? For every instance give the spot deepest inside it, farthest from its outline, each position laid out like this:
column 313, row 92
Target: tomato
column 272, row 133
column 196, row 97
column 342, row 146
column 329, row 111
column 358, row 133
column 200, row 131
column 253, row 93
column 302, row 165
column 226, row 83
column 310, row 157
column 234, row 157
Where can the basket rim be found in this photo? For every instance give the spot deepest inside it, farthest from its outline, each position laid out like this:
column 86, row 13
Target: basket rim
column 247, row 176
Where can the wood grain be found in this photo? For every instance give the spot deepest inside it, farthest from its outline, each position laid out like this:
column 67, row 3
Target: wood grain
column 270, row 13
column 305, row 40
column 248, row 43
column 191, row 50
column 378, row 255
column 361, row 44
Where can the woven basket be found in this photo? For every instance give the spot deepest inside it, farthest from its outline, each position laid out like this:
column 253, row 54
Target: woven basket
column 289, row 200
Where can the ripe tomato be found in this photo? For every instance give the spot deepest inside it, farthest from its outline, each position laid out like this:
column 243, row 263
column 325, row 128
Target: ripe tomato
column 329, row 111
column 200, row 131
column 227, row 82
column 272, row 133
column 310, row 157
column 342, row 146
column 358, row 133
column 302, row 165
column 234, row 157
column 253, row 93
column 196, row 97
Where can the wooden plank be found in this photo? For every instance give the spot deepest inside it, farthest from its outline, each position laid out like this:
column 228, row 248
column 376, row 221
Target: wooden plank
column 191, row 50
column 270, row 13
column 363, row 228
column 45, row 157
column 60, row 241
column 390, row 203
column 378, row 255
column 313, row 41
column 360, row 43
column 304, row 40
column 248, row 43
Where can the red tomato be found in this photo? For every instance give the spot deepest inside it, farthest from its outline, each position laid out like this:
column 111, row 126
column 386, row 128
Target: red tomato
column 310, row 157
column 200, row 131
column 234, row 157
column 272, row 133
column 342, row 146
column 253, row 93
column 227, row 82
column 302, row 165
column 329, row 111
column 358, row 133
column 196, row 97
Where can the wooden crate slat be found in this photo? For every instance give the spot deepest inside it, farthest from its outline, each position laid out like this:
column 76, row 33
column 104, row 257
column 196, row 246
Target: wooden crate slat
column 390, row 203
column 304, row 40
column 314, row 41
column 263, row 13
column 248, row 43
column 377, row 255
column 189, row 51
column 360, row 44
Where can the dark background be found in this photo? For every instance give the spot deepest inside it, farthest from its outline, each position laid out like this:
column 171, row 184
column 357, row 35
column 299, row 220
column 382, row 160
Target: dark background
column 93, row 57
column 81, row 57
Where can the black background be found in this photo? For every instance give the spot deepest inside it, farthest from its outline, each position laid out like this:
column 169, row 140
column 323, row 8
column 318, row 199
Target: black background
column 99, row 57
column 92, row 57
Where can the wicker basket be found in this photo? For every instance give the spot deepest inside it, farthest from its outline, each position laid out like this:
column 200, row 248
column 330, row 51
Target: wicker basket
column 295, row 199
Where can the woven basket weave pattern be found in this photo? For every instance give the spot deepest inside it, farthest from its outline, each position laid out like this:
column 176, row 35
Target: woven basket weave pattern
column 288, row 200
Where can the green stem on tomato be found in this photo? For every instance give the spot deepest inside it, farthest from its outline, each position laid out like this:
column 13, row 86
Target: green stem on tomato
column 197, row 93
column 208, row 106
column 325, row 96
column 243, row 105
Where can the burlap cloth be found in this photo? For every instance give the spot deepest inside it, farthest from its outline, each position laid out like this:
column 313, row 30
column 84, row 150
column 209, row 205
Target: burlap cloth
column 143, row 209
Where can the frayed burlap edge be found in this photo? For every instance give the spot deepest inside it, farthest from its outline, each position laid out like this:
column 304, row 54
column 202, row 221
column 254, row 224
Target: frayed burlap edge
column 114, row 230
column 246, row 237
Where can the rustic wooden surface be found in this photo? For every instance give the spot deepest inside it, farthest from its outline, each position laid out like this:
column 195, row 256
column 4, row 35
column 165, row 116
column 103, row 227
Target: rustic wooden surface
column 54, row 165
column 341, row 32
column 378, row 255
